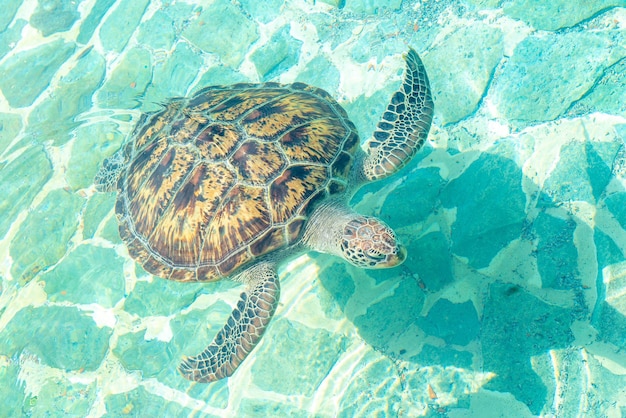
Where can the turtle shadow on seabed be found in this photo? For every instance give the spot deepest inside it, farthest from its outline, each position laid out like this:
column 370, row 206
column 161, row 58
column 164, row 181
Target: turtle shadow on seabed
column 507, row 282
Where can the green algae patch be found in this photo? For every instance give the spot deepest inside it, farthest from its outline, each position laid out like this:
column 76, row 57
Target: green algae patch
column 335, row 3
column 371, row 7
column 608, row 95
column 337, row 280
column 268, row 408
column 11, row 36
column 62, row 398
column 18, row 402
column 148, row 356
column 222, row 29
column 443, row 356
column 600, row 159
column 389, row 318
column 320, row 72
column 404, row 206
column 363, row 52
column 38, row 66
column 139, row 402
column 569, row 181
column 549, row 72
column 444, row 321
column 490, row 208
column 193, row 331
column 73, row 96
column 480, row 4
column 92, row 144
column 99, row 205
column 87, row 275
column 10, row 126
column 331, row 32
column 163, row 29
column 52, row 16
column 365, row 112
column 611, row 324
column 431, row 259
column 616, row 203
column 158, row 32
column 173, row 77
column 458, row 89
column 220, row 75
column 155, row 357
column 44, row 236
column 517, row 322
column 62, row 337
column 556, row 14
column 20, row 181
column 310, row 353
column 161, row 297
column 277, row 55
column 119, row 26
column 263, row 11
column 91, row 22
column 9, row 9
column 371, row 389
column 128, row 81
column 557, row 256
column 110, row 232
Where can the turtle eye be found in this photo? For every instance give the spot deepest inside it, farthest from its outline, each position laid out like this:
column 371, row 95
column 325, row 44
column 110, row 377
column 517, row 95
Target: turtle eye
column 374, row 254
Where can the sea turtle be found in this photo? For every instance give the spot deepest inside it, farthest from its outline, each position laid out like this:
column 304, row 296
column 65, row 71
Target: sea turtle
column 235, row 179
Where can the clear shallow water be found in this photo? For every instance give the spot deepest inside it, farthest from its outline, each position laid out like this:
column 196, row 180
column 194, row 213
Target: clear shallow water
column 511, row 303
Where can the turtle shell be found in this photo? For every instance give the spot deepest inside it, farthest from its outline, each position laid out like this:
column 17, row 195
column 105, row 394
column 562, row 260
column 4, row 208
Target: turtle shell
column 216, row 181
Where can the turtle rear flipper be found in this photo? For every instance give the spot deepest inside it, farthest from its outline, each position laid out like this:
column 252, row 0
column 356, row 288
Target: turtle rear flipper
column 242, row 331
column 404, row 127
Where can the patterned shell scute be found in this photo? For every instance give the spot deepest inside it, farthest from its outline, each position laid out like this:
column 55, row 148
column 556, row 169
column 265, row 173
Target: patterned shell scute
column 229, row 175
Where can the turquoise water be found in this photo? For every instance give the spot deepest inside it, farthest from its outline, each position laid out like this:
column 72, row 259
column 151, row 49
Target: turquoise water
column 512, row 301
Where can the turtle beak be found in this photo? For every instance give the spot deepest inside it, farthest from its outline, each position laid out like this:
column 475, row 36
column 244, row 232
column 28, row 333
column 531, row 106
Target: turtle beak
column 397, row 258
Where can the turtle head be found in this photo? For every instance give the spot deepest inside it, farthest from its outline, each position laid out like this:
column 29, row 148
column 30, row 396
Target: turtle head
column 369, row 243
column 109, row 173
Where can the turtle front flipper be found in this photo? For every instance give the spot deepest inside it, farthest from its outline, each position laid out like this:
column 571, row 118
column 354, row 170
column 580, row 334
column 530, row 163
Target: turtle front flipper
column 243, row 330
column 404, row 126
